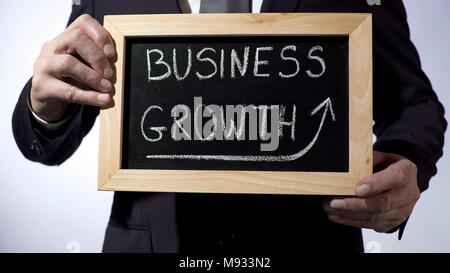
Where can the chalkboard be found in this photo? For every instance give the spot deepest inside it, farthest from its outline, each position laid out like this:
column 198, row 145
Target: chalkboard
column 239, row 103
column 295, row 73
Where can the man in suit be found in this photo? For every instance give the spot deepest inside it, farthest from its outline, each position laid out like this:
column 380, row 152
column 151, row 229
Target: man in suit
column 73, row 77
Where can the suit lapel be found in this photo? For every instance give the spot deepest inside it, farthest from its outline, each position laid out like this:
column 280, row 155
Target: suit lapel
column 173, row 6
column 166, row 6
column 279, row 5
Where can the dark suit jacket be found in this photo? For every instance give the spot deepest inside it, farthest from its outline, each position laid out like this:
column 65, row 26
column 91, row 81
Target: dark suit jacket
column 409, row 120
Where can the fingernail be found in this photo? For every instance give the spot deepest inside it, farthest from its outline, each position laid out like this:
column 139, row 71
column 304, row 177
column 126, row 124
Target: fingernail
column 103, row 98
column 362, row 190
column 109, row 50
column 338, row 204
column 108, row 72
column 106, row 85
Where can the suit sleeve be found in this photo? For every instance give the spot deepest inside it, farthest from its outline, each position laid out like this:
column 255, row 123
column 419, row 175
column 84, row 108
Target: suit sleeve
column 409, row 119
column 52, row 148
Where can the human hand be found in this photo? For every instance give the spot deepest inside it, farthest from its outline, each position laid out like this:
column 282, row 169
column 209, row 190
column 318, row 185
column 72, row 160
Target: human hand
column 383, row 200
column 75, row 67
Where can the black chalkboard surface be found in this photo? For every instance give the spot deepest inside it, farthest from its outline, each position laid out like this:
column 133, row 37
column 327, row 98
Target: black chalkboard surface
column 272, row 103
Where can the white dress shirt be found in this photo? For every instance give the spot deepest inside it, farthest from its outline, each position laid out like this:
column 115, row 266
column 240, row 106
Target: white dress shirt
column 193, row 6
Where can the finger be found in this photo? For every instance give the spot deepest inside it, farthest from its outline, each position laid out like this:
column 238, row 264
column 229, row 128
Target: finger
column 380, row 222
column 355, row 215
column 66, row 92
column 67, row 66
column 353, row 204
column 384, row 202
column 97, row 33
column 391, row 177
column 76, row 41
column 349, row 222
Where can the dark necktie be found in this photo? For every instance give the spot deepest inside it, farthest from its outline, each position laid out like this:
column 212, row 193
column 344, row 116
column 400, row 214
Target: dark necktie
column 225, row 6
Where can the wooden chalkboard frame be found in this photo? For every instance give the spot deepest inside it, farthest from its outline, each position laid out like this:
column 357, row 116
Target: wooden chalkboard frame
column 358, row 26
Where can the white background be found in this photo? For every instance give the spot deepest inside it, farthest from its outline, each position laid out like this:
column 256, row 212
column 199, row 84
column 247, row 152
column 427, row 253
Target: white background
column 58, row 209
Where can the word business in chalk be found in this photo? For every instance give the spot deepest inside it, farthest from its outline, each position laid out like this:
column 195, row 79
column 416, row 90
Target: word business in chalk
column 230, row 64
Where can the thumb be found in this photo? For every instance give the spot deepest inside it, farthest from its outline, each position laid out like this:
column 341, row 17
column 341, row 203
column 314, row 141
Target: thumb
column 391, row 177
